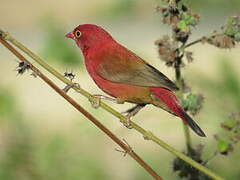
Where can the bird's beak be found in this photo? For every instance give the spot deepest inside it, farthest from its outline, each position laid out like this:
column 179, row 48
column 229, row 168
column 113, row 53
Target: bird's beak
column 70, row 35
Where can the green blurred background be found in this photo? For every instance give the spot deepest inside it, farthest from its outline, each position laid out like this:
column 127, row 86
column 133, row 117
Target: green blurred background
column 43, row 137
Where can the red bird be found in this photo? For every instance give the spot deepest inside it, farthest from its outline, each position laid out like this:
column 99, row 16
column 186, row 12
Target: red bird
column 125, row 76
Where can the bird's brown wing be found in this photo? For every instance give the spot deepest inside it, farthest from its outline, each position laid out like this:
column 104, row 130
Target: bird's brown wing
column 123, row 66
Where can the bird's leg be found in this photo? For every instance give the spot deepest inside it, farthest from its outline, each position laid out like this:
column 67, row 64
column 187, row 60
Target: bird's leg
column 132, row 112
column 97, row 99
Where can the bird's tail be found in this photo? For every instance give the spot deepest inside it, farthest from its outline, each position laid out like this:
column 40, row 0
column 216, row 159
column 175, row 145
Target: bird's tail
column 170, row 100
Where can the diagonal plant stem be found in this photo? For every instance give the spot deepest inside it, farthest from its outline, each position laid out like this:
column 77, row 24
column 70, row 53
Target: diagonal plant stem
column 146, row 134
column 193, row 42
column 180, row 94
column 123, row 145
column 184, row 46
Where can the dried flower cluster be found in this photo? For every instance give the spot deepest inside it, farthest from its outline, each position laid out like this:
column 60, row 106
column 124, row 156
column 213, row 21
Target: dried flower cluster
column 229, row 36
column 180, row 18
column 167, row 50
column 172, row 50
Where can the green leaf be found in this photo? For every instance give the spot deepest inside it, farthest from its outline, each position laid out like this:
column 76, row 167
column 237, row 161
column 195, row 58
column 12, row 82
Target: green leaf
column 237, row 36
column 223, row 146
column 232, row 27
column 229, row 124
column 182, row 26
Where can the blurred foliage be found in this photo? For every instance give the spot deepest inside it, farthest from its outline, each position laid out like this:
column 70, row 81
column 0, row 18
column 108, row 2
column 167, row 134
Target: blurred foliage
column 231, row 135
column 15, row 161
column 180, row 18
column 185, row 170
column 58, row 48
column 6, row 103
column 227, row 84
column 57, row 161
column 131, row 8
column 215, row 7
column 232, row 27
column 24, row 156
column 230, row 83
column 117, row 9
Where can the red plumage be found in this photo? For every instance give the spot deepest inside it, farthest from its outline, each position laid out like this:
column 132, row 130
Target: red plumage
column 125, row 76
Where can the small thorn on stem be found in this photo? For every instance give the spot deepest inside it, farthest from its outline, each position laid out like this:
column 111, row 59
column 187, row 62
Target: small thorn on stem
column 125, row 152
column 69, row 86
column 147, row 135
column 34, row 74
column 71, row 77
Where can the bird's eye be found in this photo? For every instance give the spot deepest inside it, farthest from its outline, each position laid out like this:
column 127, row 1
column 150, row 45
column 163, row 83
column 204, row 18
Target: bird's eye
column 77, row 34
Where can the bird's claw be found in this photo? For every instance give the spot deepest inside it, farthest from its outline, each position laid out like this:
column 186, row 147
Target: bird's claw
column 95, row 101
column 127, row 123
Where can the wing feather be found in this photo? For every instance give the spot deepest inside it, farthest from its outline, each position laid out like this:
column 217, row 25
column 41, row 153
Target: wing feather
column 126, row 67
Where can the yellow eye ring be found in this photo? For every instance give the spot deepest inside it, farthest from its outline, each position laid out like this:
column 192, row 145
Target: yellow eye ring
column 77, row 33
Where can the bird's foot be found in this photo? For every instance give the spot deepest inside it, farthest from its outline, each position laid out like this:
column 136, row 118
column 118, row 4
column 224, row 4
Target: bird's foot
column 130, row 113
column 127, row 122
column 69, row 86
column 95, row 101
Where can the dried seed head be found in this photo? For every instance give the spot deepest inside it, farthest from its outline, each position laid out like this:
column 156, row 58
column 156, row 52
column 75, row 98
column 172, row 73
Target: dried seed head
column 69, row 75
column 22, row 67
column 167, row 50
column 222, row 41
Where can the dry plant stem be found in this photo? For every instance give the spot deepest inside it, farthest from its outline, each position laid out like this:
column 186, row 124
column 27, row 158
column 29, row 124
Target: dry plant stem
column 123, row 145
column 184, row 46
column 147, row 134
column 194, row 42
column 179, row 82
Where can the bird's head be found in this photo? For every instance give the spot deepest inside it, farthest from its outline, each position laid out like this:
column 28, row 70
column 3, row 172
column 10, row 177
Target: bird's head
column 89, row 35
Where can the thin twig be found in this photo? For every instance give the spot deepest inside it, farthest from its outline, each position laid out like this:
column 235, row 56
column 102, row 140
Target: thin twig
column 147, row 134
column 195, row 42
column 178, row 76
column 123, row 145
